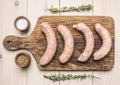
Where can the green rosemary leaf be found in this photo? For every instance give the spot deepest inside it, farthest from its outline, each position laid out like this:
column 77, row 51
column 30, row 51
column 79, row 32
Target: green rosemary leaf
column 81, row 8
column 63, row 77
column 92, row 76
column 53, row 10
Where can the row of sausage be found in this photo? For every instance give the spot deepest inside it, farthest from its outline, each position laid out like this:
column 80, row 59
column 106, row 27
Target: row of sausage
column 69, row 42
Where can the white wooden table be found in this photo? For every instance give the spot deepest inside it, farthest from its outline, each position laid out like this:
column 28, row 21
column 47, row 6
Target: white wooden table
column 10, row 74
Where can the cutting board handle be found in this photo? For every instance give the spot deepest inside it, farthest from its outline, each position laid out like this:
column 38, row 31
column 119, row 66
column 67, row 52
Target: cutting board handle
column 14, row 43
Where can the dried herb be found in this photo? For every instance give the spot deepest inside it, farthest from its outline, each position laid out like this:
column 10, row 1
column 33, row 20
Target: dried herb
column 81, row 8
column 63, row 77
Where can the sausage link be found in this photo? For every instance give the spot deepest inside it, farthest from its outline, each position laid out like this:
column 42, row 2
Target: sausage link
column 89, row 41
column 51, row 43
column 69, row 43
column 107, row 42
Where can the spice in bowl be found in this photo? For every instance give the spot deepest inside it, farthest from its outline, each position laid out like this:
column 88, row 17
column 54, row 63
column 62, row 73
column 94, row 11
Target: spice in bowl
column 22, row 60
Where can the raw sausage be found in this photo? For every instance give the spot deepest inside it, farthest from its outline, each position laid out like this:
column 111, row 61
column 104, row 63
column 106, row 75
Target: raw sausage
column 69, row 43
column 89, row 41
column 107, row 42
column 51, row 43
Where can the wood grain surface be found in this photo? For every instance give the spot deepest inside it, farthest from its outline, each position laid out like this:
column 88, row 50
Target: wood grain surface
column 36, row 42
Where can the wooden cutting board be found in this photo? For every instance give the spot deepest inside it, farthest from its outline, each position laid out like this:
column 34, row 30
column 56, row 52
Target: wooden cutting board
column 36, row 42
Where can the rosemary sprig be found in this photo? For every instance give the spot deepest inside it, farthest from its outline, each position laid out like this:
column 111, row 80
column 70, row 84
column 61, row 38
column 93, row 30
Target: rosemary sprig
column 81, row 8
column 63, row 77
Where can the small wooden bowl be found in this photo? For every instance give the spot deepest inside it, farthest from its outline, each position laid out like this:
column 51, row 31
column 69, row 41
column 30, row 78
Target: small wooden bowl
column 24, row 29
column 23, row 60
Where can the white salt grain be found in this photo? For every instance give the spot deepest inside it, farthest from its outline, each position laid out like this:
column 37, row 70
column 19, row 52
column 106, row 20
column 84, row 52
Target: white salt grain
column 22, row 24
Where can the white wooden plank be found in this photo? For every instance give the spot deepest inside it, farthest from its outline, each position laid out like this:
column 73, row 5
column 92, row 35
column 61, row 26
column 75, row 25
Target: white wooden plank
column 110, row 77
column 0, row 54
column 0, row 67
column 11, row 74
column 37, row 8
column 76, row 3
column 100, row 7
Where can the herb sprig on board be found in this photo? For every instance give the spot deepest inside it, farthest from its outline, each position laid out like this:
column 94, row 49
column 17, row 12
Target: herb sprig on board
column 63, row 77
column 81, row 8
